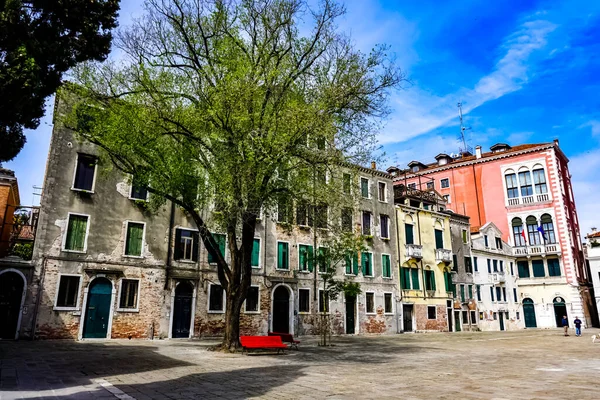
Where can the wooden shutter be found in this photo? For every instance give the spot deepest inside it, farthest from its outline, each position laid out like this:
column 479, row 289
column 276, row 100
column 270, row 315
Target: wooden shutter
column 415, row 278
column 254, row 260
column 348, row 263
column 408, row 230
column 310, row 258
column 282, row 256
column 439, row 239
column 355, row 263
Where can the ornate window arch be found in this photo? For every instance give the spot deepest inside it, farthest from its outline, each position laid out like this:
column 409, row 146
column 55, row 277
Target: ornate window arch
column 548, row 229
column 512, row 187
column 532, row 231
column 517, row 227
column 525, row 182
column 539, row 179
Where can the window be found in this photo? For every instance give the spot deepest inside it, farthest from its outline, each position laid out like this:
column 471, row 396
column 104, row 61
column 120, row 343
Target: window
column 498, row 294
column 473, row 317
column 518, row 234
column 323, row 259
column 446, row 199
column 255, row 258
column 381, row 191
column 450, row 287
column 305, row 258
column 495, row 316
column 351, row 263
column 430, row 185
column 553, row 267
column 489, row 265
column 499, row 243
column 346, row 183
column 366, row 223
column 405, row 278
column 415, row 278
column 445, row 183
column 465, row 317
column 525, row 182
column 478, row 290
column 412, row 186
column 538, row 268
column 284, row 209
column 367, row 263
column 512, row 190
column 429, row 280
column 134, row 239
column 468, row 266
column 439, row 239
column 347, row 220
column 504, row 293
column 539, row 180
column 475, row 264
column 454, row 263
column 128, row 299
column 462, row 293
column 252, row 299
column 323, row 301
column 186, row 245
column 408, row 232
column 465, row 238
column 512, row 272
column 532, row 230
column 321, row 216
column 547, row 229
column 386, row 266
column 68, row 291
column 470, row 291
column 431, row 312
column 303, row 300
column 370, row 302
column 523, row 269
column 283, row 255
column 303, row 216
column 216, row 298
column 495, row 265
column 220, row 239
column 77, row 231
column 384, row 226
column 486, row 241
column 480, row 316
column 364, row 187
column 518, row 315
column 138, row 191
column 492, row 292
column 516, row 299
column 85, row 172
column 387, row 303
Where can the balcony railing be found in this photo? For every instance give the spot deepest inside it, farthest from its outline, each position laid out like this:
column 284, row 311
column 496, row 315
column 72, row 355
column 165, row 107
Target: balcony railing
column 540, row 249
column 414, row 251
column 527, row 200
column 498, row 277
column 443, row 255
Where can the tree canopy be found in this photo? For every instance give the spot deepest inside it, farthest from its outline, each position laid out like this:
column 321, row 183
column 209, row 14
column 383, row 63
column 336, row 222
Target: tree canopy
column 39, row 41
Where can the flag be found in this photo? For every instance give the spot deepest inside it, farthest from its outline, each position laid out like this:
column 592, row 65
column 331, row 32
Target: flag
column 523, row 234
column 541, row 230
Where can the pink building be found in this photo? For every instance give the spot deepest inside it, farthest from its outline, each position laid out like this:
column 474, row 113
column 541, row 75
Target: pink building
column 526, row 192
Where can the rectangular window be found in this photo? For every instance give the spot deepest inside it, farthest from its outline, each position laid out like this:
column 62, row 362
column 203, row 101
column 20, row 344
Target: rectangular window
column 129, row 294
column 135, row 239
column 414, row 272
column 323, row 259
column 252, row 299
column 305, row 258
column 381, row 191
column 523, row 269
column 525, row 182
column 486, row 241
column 430, row 185
column 475, row 264
column 478, row 290
column 303, row 300
column 495, row 265
column 470, row 291
column 465, row 317
column 321, row 213
column 215, row 298
column 366, row 223
column 284, row 209
column 512, row 272
column 512, row 189
column 367, row 263
column 501, row 266
column 518, row 315
column 386, row 266
column 412, row 186
column 465, row 238
column 495, row 316
column 504, row 293
column 364, row 187
column 515, row 295
column 489, row 263
column 499, row 243
column 351, row 263
column 538, row 268
column 439, row 239
column 431, row 312
column 76, row 239
column 303, row 216
column 220, row 239
column 408, row 231
column 283, row 255
column 429, row 280
column 405, row 278
column 370, row 302
column 462, row 293
column 186, row 245
column 388, row 303
column 468, row 266
column 384, row 226
column 84, row 172
column 553, row 267
column 454, row 263
column 68, row 291
column 323, row 301
column 492, row 292
column 498, row 294
column 255, row 258
column 346, row 183
column 138, row 192
column 347, row 220
column 445, row 183
column 473, row 317
column 539, row 180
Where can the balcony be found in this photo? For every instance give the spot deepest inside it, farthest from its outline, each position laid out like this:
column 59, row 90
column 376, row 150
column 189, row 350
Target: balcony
column 537, row 250
column 528, row 200
column 414, row 251
column 17, row 233
column 498, row 277
column 443, row 255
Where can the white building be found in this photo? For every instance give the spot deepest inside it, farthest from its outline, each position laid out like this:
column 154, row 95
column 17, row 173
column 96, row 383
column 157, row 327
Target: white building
column 593, row 259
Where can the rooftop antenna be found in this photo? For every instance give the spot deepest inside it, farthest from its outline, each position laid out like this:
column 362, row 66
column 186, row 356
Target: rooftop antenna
column 463, row 142
column 37, row 194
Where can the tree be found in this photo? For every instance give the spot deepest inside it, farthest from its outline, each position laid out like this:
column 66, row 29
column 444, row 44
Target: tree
column 39, row 42
column 226, row 106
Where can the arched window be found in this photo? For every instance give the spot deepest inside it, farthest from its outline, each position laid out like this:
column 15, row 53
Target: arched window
column 532, row 231
column 512, row 188
column 517, row 226
column 548, row 229
column 539, row 180
column 525, row 182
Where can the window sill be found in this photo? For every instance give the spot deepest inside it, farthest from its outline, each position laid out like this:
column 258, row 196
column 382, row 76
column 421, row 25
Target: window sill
column 136, row 199
column 216, row 311
column 130, row 256
column 74, row 189
column 352, row 275
column 186, row 261
column 255, row 267
column 304, row 272
column 282, row 270
column 385, row 239
column 74, row 251
column 304, row 312
column 128, row 310
column 57, row 308
column 383, row 201
column 252, row 312
column 388, row 313
column 371, row 313
column 387, row 277
column 369, row 276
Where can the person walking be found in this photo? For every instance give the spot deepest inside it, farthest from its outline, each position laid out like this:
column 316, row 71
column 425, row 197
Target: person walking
column 577, row 323
column 565, row 324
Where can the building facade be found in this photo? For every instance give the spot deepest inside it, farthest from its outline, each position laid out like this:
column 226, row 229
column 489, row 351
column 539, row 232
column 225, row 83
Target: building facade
column 526, row 192
column 592, row 250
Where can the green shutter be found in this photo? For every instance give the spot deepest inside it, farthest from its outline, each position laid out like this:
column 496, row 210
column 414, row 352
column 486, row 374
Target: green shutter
column 302, row 261
column 470, row 291
column 448, row 282
column 310, row 258
column 439, row 239
column 282, row 256
column 367, row 264
column 538, row 268
column 323, row 259
column 385, row 264
column 462, row 293
column 133, row 245
column 405, row 278
column 220, row 239
column 364, row 188
column 408, row 232
column 348, row 263
column 415, row 278
column 355, row 263
column 76, row 232
column 255, row 253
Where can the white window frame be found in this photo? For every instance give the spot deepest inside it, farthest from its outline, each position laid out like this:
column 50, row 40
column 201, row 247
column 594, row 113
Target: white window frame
column 388, row 227
column 465, row 236
column 87, row 233
column 131, row 192
column 368, row 187
column 183, row 260
column 385, row 194
column 208, row 310
column 137, row 305
column 372, row 266
column 300, row 270
column 442, row 184
column 435, row 307
column 432, row 182
column 77, row 302
column 73, row 188
column 309, row 304
column 374, row 312
column 448, row 198
column 127, row 222
column 362, row 220
column 259, row 266
column 277, row 256
column 257, row 303
column 391, row 312
column 391, row 270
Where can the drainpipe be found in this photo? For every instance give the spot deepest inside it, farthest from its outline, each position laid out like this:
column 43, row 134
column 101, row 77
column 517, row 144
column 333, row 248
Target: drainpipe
column 170, row 245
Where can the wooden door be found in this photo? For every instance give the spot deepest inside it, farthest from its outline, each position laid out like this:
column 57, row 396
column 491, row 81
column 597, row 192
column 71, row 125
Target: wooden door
column 350, row 314
column 281, row 310
column 11, row 293
column 529, row 313
column 182, row 310
column 97, row 310
column 407, row 317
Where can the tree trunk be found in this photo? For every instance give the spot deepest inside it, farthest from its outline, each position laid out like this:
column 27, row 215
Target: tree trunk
column 231, row 340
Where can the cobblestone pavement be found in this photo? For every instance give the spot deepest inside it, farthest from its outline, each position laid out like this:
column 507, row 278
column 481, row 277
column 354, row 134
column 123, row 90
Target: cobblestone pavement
column 500, row 365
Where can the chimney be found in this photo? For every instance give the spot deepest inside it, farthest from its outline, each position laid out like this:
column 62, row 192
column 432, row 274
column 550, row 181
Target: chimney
column 478, row 152
column 594, row 229
column 373, row 165
column 556, row 142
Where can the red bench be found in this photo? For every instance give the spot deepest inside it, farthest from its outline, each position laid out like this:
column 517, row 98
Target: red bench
column 286, row 337
column 262, row 342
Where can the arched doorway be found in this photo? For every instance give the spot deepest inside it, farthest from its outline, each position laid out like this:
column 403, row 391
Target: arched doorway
column 12, row 285
column 182, row 310
column 97, row 310
column 281, row 309
column 560, row 310
column 529, row 313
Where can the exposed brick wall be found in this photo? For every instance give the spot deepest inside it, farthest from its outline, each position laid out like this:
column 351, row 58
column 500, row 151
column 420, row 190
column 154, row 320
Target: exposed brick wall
column 425, row 324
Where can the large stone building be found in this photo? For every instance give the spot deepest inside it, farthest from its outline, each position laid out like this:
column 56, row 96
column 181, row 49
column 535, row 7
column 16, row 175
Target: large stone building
column 592, row 250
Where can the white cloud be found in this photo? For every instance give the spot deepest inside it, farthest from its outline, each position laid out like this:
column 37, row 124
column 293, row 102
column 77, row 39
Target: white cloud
column 594, row 125
column 584, row 169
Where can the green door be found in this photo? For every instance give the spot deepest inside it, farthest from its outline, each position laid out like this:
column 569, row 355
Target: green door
column 529, row 312
column 457, row 327
column 97, row 310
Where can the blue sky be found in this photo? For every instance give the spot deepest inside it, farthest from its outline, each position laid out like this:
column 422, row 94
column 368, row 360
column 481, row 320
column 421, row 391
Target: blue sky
column 526, row 71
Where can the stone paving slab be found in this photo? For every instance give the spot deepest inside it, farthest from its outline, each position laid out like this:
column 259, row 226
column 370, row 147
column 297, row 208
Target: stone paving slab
column 528, row 364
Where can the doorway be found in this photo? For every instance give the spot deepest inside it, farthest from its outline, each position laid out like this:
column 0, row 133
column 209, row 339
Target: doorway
column 407, row 317
column 11, row 296
column 501, row 320
column 182, row 310
column 457, row 325
column 97, row 311
column 529, row 313
column 350, row 314
column 281, row 310
column 560, row 310
column 450, row 323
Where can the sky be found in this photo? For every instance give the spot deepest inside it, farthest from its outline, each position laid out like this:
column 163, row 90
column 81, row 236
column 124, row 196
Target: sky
column 525, row 72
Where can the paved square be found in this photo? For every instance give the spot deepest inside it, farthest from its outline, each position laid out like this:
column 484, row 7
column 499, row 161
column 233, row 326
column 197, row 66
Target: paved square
column 492, row 365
